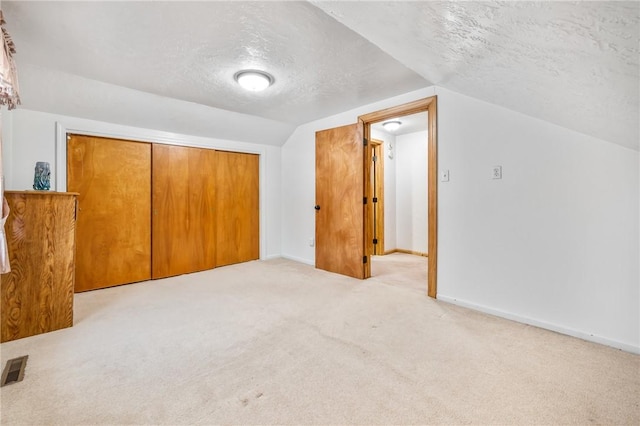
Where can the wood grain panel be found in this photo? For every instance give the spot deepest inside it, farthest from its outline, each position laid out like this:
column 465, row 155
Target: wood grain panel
column 432, row 191
column 237, row 207
column 367, row 228
column 393, row 112
column 37, row 295
column 183, row 210
column 340, row 236
column 376, row 209
column 113, row 178
column 380, row 195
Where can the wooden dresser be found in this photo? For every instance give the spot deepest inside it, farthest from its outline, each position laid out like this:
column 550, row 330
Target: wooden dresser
column 37, row 295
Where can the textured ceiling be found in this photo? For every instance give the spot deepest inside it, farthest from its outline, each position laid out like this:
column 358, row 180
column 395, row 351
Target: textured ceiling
column 570, row 63
column 191, row 50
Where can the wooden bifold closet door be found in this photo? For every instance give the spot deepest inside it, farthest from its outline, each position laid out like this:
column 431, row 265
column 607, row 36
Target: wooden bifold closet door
column 183, row 210
column 150, row 211
column 237, row 207
column 113, row 230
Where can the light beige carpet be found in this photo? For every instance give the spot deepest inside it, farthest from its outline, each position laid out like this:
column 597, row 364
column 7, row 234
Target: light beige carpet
column 278, row 342
column 401, row 270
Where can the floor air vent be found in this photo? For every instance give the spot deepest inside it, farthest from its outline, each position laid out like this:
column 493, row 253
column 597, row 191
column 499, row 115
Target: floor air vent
column 14, row 370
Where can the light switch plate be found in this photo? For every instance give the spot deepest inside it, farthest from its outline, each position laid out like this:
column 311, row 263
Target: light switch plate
column 444, row 176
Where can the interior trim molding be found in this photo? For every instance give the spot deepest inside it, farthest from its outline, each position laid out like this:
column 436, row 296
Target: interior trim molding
column 405, row 251
column 430, row 106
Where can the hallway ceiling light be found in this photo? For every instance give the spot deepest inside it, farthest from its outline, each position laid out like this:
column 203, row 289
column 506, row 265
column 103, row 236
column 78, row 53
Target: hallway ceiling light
column 391, row 125
column 253, row 80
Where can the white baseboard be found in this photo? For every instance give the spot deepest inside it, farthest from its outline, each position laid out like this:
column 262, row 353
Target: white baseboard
column 271, row 256
column 542, row 324
column 405, row 251
column 298, row 259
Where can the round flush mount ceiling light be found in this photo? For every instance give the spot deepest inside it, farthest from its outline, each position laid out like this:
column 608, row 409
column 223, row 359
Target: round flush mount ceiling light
column 391, row 125
column 253, row 80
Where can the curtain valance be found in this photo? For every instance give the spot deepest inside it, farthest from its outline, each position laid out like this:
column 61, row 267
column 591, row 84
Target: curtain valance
column 8, row 76
column 8, row 96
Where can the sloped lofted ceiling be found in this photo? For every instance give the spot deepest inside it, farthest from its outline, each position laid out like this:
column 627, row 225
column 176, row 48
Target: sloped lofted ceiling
column 573, row 64
column 191, row 50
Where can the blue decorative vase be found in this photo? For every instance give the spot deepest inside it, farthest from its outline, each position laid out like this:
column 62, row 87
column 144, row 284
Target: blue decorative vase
column 42, row 177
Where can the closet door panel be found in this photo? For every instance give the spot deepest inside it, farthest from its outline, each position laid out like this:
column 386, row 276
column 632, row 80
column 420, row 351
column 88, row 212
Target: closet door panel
column 237, row 207
column 113, row 237
column 183, row 210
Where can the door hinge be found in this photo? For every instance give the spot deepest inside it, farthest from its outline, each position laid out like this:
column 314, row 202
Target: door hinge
column 375, row 241
column 375, row 158
column 364, row 200
column 375, row 199
column 364, row 259
column 364, row 141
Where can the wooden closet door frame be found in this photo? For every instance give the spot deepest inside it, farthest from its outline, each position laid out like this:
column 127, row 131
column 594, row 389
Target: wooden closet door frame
column 114, row 131
column 430, row 106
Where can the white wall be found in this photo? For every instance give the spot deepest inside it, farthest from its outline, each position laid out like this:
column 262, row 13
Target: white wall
column 554, row 243
column 6, row 124
column 389, row 142
column 32, row 136
column 405, row 190
column 411, row 191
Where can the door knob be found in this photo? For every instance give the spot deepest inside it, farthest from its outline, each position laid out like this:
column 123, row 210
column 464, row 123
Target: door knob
column 317, row 207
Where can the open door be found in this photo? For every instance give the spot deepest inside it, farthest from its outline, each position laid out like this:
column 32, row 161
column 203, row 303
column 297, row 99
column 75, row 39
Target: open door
column 340, row 191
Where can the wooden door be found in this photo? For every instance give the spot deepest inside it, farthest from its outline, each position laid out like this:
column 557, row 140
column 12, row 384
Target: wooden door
column 183, row 210
column 113, row 178
column 340, row 163
column 376, row 195
column 237, row 208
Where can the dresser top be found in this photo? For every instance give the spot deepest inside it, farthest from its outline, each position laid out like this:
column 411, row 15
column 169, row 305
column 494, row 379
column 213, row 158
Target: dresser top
column 41, row 192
